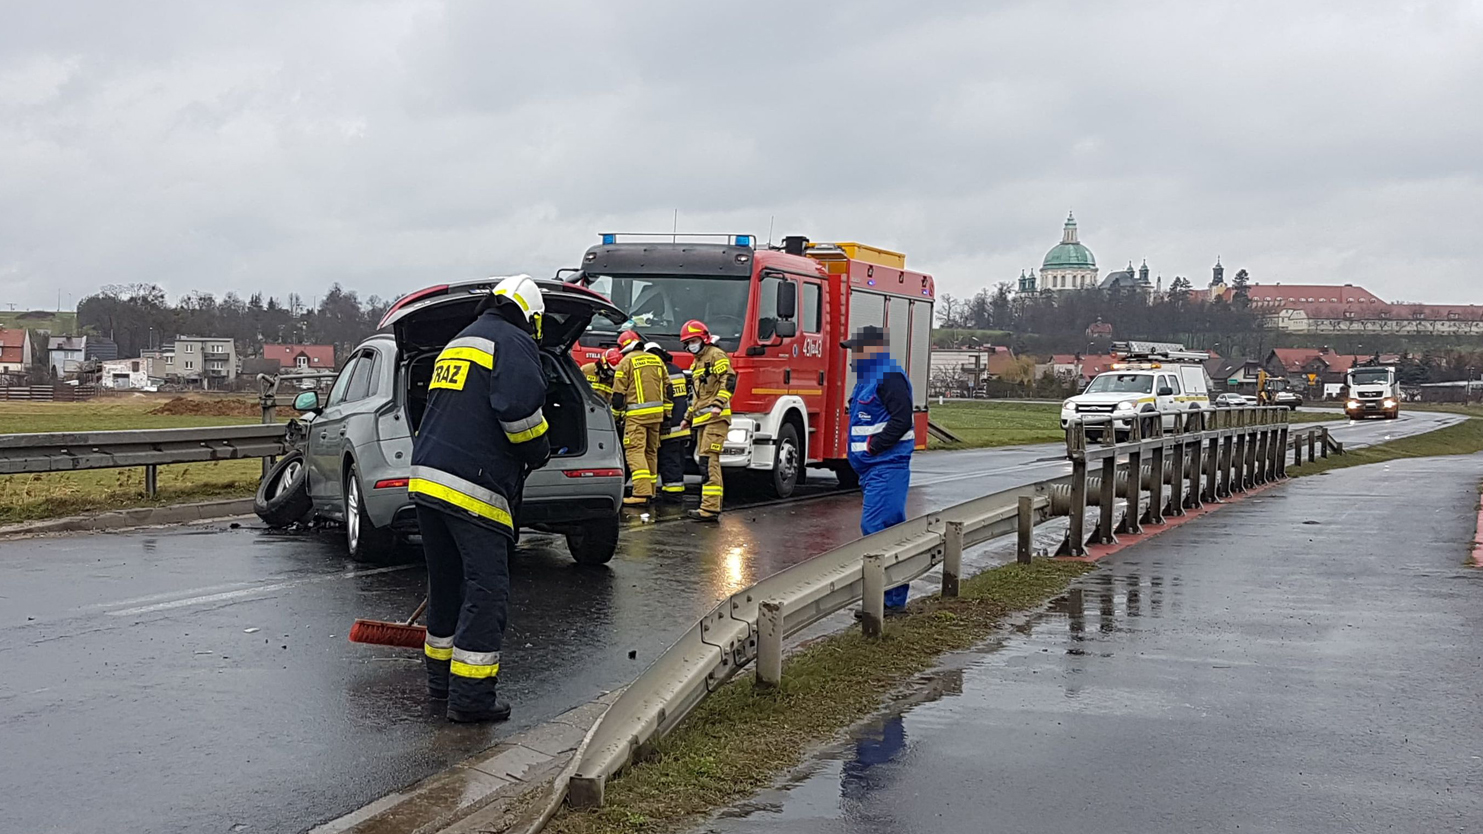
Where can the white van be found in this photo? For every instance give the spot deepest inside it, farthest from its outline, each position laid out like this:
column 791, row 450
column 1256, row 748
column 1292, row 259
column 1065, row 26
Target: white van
column 1165, row 383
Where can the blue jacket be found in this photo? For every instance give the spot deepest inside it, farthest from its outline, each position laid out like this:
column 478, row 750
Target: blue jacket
column 880, row 415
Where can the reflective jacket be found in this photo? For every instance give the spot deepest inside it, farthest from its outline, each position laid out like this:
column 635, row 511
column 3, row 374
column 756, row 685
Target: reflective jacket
column 679, row 396
column 601, row 380
column 871, row 418
column 483, row 424
column 641, row 388
column 714, row 382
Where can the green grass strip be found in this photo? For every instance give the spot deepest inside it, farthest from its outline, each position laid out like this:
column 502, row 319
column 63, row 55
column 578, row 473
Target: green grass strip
column 741, row 739
column 1464, row 438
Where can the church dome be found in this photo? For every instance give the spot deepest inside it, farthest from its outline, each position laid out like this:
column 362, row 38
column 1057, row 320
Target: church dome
column 1069, row 253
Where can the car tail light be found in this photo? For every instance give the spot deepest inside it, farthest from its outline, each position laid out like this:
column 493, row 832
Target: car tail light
column 392, row 483
column 592, row 473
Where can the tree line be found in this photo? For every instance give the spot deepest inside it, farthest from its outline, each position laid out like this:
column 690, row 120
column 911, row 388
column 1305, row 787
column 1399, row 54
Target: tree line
column 139, row 317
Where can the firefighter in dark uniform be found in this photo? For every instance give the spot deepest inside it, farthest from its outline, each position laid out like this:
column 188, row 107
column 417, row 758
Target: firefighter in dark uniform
column 484, row 430
column 674, row 441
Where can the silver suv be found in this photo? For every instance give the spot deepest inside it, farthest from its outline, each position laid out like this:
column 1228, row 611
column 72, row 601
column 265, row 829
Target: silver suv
column 357, row 449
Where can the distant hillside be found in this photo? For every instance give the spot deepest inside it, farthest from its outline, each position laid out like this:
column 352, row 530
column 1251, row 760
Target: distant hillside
column 59, row 324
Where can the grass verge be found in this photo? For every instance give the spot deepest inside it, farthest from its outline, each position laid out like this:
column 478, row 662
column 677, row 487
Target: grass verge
column 741, row 738
column 54, row 494
column 1464, row 438
column 988, row 423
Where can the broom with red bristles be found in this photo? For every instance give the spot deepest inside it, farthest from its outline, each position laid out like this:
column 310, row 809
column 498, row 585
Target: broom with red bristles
column 381, row 633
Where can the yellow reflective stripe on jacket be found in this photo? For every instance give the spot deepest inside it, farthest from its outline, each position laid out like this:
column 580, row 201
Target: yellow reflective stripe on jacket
column 644, row 409
column 723, row 394
column 466, row 495
column 707, row 415
column 474, row 349
column 526, row 429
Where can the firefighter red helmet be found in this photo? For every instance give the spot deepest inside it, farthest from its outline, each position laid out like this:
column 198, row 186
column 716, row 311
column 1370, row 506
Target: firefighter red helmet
column 694, row 329
column 628, row 340
column 612, row 357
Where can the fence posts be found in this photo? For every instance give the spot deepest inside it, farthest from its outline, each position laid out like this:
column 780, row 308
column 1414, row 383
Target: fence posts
column 1026, row 533
column 1075, row 544
column 268, row 399
column 873, row 596
column 952, row 557
column 151, row 479
column 769, row 643
column 1106, row 499
column 1311, row 450
column 1176, row 470
column 1133, row 486
column 1155, row 512
column 1196, row 465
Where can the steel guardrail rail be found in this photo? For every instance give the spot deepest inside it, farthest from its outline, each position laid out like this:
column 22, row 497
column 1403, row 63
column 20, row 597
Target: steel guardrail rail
column 727, row 638
column 73, row 451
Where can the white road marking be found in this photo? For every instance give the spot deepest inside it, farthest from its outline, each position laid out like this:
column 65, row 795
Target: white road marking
column 227, row 596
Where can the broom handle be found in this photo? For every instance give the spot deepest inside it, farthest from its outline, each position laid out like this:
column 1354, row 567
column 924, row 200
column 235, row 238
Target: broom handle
column 418, row 613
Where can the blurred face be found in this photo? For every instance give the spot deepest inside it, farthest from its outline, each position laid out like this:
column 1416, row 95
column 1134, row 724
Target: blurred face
column 860, row 354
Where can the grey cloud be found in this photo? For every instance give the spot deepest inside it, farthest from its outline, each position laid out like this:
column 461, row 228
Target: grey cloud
column 389, row 144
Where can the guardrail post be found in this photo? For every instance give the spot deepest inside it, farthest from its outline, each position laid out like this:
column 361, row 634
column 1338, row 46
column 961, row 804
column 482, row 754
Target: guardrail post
column 268, row 386
column 1155, row 512
column 1324, row 446
column 1248, row 464
column 1133, row 486
column 1196, row 463
column 873, row 595
column 769, row 643
column 952, row 557
column 1026, row 538
column 1311, row 435
column 151, row 479
column 1211, row 492
column 1106, row 502
column 1175, row 506
column 1074, row 544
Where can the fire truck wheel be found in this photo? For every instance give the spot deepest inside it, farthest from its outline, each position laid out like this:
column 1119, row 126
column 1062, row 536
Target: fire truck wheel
column 787, row 463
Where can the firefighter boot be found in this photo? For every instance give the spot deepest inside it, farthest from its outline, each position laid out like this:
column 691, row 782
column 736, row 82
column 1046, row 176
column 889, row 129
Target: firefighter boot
column 437, row 654
column 475, row 701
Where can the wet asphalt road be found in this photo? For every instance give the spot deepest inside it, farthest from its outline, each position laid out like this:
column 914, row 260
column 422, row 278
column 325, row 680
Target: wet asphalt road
column 1304, row 661
column 196, row 679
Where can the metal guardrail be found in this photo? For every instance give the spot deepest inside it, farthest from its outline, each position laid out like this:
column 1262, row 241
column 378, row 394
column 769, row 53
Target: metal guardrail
column 1203, row 456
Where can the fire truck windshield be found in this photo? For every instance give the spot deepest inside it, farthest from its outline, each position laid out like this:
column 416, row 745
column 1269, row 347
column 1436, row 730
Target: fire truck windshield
column 660, row 304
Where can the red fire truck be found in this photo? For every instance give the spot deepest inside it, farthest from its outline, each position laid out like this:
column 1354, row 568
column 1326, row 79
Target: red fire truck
column 781, row 313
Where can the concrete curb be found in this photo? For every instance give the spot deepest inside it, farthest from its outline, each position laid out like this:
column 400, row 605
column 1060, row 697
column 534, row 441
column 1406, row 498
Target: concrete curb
column 136, row 517
column 495, row 784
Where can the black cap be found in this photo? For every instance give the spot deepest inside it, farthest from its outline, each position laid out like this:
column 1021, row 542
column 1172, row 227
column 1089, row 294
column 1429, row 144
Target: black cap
column 867, row 335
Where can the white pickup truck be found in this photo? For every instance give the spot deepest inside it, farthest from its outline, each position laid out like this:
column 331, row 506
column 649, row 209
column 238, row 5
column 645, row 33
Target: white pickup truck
column 1141, row 387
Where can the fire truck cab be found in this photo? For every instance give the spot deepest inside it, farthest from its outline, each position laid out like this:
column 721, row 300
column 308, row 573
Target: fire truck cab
column 780, row 312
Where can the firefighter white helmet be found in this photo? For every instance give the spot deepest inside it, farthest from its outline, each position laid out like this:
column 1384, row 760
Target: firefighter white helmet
column 522, row 291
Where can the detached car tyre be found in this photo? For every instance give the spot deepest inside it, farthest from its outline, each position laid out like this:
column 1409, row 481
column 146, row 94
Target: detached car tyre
column 594, row 542
column 283, row 494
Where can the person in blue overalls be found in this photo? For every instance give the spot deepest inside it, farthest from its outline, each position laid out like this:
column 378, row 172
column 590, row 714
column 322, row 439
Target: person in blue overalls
column 881, row 437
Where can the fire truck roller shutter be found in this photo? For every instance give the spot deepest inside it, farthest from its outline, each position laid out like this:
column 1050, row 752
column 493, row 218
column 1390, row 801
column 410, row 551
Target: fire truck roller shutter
column 921, row 350
column 865, row 308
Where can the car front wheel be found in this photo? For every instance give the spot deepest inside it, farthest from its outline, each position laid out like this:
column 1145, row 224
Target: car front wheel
column 365, row 541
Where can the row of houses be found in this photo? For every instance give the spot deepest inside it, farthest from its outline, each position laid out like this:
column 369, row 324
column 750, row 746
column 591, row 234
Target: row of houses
column 206, row 362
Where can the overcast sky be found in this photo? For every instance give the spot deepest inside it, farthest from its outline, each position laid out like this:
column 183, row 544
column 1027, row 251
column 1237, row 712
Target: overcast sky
column 388, row 145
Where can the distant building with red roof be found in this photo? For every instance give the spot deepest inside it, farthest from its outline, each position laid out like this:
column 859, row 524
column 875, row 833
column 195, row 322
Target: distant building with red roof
column 1347, row 308
column 302, row 357
column 15, row 351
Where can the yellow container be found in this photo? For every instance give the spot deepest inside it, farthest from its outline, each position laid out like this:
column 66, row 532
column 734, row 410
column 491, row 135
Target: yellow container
column 870, row 254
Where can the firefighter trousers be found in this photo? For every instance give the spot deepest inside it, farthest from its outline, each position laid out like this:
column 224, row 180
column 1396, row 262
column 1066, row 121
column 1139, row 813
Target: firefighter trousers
column 885, row 487
column 468, row 603
column 672, row 452
column 710, row 438
column 641, row 448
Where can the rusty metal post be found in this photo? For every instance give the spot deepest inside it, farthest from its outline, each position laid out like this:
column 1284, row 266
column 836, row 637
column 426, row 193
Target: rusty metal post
column 952, row 558
column 1025, row 541
column 1106, row 502
column 769, row 643
column 152, row 479
column 873, row 597
column 1074, row 544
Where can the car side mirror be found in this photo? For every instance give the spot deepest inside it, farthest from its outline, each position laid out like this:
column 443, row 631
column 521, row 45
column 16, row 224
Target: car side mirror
column 1166, row 391
column 307, row 402
column 787, row 300
column 785, row 329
